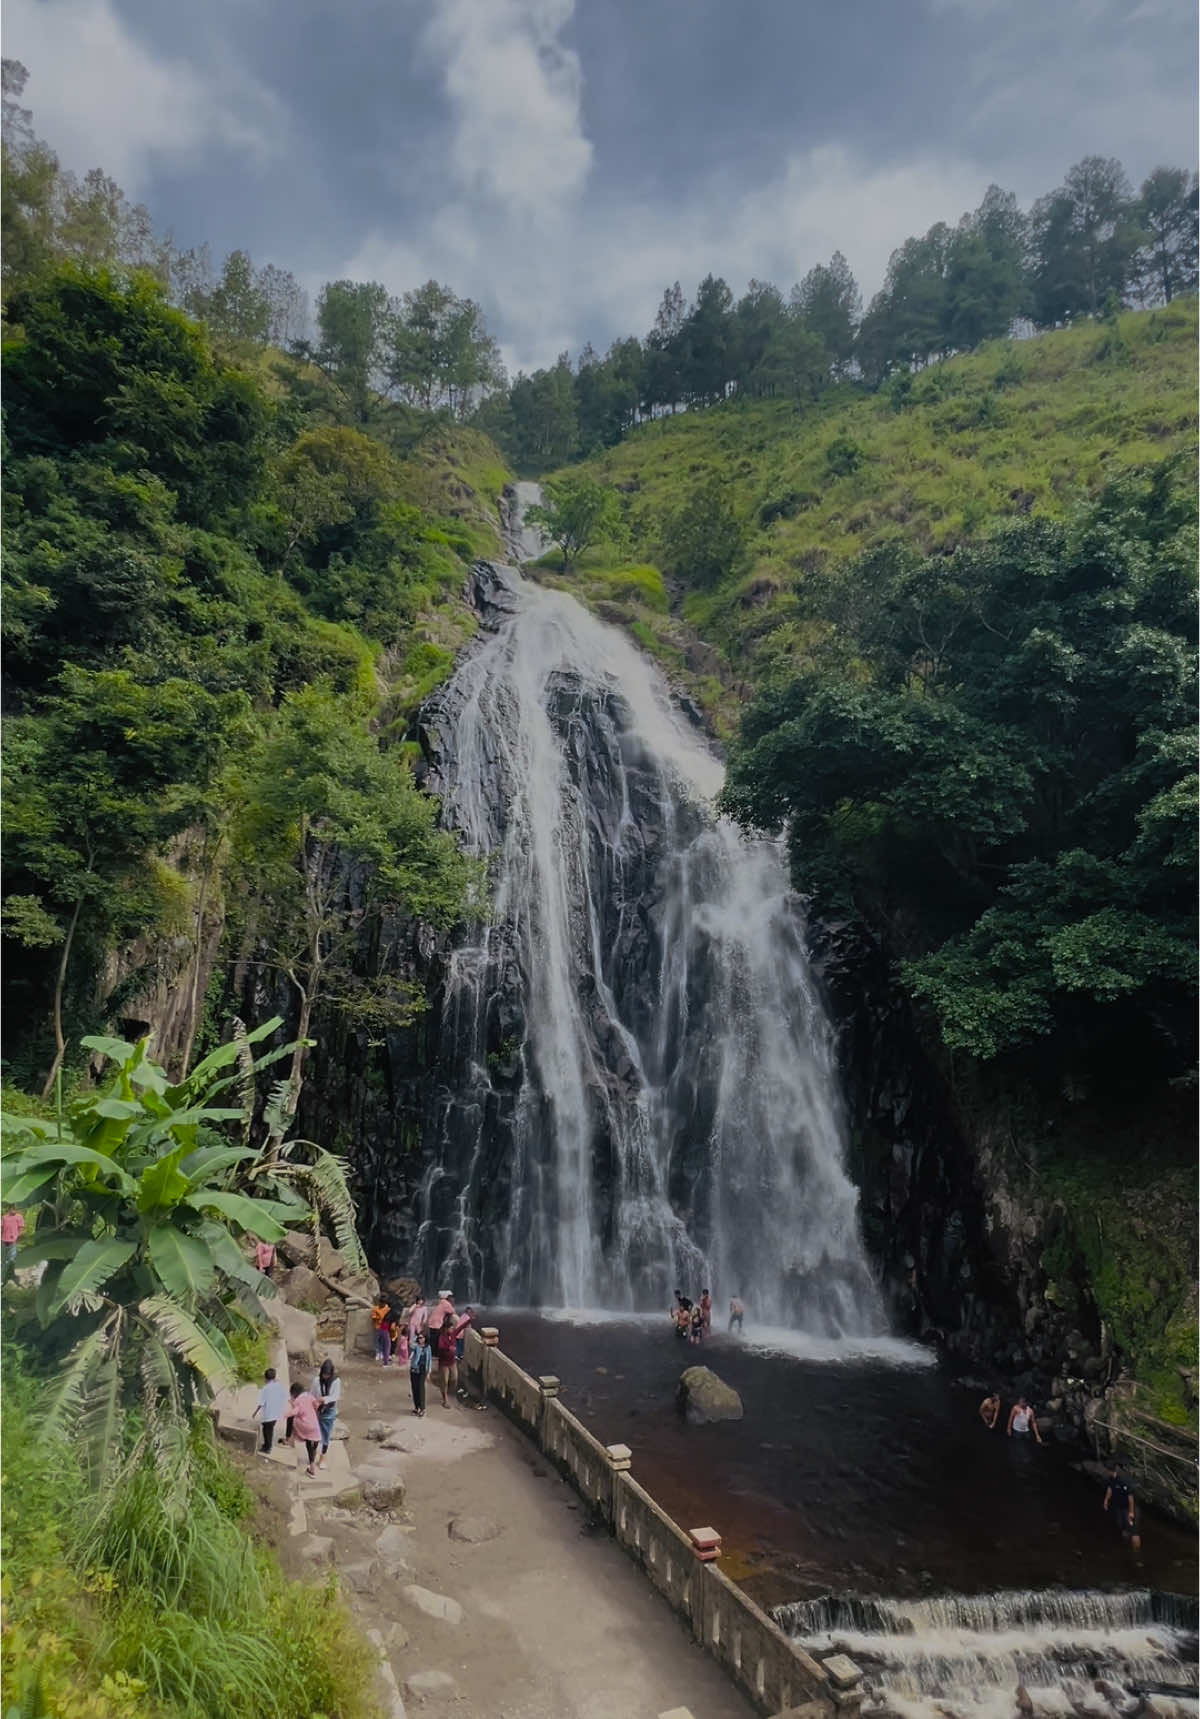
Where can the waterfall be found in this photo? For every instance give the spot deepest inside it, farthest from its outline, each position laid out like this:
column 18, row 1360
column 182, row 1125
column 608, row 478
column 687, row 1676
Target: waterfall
column 634, row 1074
column 1070, row 1651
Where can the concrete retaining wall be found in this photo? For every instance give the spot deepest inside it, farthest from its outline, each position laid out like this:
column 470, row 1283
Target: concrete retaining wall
column 773, row 1672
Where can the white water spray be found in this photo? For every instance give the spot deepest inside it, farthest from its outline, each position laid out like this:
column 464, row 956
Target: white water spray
column 675, row 1119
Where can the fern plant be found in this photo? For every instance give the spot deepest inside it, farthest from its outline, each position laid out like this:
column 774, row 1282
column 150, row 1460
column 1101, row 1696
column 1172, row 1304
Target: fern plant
column 137, row 1195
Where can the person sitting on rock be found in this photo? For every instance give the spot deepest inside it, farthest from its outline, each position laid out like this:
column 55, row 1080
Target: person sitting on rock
column 989, row 1410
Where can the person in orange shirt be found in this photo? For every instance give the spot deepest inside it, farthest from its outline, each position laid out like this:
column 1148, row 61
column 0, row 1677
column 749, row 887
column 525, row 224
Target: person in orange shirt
column 381, row 1315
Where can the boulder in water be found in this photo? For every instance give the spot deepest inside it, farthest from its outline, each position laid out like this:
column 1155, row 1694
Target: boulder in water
column 703, row 1397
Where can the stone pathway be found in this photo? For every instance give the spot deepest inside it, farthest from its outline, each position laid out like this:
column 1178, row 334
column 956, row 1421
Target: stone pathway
column 477, row 1574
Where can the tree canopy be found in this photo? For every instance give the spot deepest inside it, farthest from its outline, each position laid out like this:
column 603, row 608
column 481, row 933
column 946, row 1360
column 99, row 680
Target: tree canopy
column 994, row 760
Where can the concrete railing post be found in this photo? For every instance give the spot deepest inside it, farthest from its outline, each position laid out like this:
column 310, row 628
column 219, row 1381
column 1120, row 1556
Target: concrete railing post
column 548, row 1385
column 491, row 1340
column 846, row 1680
column 706, row 1544
column 620, row 1461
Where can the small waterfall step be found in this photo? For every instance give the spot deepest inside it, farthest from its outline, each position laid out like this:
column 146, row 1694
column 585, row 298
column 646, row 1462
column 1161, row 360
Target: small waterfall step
column 1042, row 1654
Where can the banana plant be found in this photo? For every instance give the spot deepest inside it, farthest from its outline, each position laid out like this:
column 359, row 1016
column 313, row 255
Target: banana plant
column 137, row 1196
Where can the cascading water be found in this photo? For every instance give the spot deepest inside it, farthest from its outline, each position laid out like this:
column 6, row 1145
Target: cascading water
column 1104, row 1654
column 635, row 1081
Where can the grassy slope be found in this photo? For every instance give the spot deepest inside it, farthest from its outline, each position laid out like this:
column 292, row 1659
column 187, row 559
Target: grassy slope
column 1015, row 427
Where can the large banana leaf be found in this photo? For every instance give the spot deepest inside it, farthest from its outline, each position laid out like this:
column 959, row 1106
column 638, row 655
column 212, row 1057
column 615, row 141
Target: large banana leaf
column 208, row 1161
column 199, row 1343
column 119, row 1050
column 19, row 1184
column 232, row 1261
column 58, row 1156
column 64, row 1396
column 221, row 1058
column 255, row 1216
column 163, row 1185
column 183, row 1263
column 91, row 1268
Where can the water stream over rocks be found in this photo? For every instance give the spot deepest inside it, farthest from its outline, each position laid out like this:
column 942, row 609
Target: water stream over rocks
column 634, row 1081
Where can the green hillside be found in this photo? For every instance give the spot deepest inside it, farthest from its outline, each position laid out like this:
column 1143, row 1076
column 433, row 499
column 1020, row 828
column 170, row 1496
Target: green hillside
column 934, row 460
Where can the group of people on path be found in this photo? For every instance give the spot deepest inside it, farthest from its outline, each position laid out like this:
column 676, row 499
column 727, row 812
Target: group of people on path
column 693, row 1319
column 308, row 1415
column 422, row 1337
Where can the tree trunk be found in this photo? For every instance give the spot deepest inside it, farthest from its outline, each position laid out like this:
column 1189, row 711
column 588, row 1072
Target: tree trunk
column 60, row 1044
column 194, row 986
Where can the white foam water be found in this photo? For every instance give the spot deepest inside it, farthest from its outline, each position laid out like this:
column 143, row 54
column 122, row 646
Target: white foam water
column 677, row 1119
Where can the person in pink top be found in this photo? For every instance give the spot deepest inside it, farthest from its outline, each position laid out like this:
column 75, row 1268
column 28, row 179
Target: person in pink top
column 445, row 1309
column 264, row 1257
column 11, row 1226
column 303, row 1423
column 417, row 1317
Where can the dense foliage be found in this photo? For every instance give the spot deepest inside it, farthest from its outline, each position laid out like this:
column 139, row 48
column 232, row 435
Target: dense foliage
column 1091, row 245
column 993, row 756
column 190, row 567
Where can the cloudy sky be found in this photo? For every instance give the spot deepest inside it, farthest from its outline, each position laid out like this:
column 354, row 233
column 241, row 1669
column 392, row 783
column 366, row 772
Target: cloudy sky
column 562, row 161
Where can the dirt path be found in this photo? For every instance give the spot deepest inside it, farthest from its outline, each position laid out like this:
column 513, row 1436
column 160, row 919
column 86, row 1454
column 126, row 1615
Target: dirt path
column 487, row 1589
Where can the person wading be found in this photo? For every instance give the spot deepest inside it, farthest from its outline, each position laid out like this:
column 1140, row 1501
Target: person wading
column 989, row 1410
column 1120, row 1506
column 1022, row 1421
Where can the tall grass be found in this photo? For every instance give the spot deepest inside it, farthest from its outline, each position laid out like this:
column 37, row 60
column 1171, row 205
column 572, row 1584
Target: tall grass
column 156, row 1589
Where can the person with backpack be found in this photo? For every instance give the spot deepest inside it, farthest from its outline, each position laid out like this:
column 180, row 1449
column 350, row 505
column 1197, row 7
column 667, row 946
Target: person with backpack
column 420, row 1361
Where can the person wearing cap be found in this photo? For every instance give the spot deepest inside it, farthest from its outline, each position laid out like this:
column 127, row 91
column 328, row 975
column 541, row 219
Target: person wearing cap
column 443, row 1310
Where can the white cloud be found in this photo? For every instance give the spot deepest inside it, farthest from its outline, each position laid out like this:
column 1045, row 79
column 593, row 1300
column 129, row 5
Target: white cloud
column 601, row 270
column 102, row 98
column 514, row 91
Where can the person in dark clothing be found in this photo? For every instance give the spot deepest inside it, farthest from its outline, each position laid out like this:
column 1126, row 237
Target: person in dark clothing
column 1121, row 1508
column 419, row 1362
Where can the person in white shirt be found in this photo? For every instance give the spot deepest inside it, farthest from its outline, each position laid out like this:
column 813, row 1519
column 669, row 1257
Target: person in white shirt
column 327, row 1389
column 272, row 1402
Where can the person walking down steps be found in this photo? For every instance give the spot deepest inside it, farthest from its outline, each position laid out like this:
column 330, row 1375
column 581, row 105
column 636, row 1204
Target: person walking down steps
column 272, row 1403
column 327, row 1389
column 304, row 1423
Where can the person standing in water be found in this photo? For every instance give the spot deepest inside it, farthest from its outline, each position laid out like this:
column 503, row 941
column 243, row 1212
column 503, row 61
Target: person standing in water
column 736, row 1313
column 1120, row 1506
column 1022, row 1421
column 989, row 1410
column 706, row 1310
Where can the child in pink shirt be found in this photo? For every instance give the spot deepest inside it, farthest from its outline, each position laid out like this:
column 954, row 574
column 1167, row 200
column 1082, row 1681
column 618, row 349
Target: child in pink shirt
column 304, row 1424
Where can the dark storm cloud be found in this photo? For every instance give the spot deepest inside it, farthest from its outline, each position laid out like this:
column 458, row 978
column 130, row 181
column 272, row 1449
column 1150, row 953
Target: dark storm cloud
column 563, row 160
